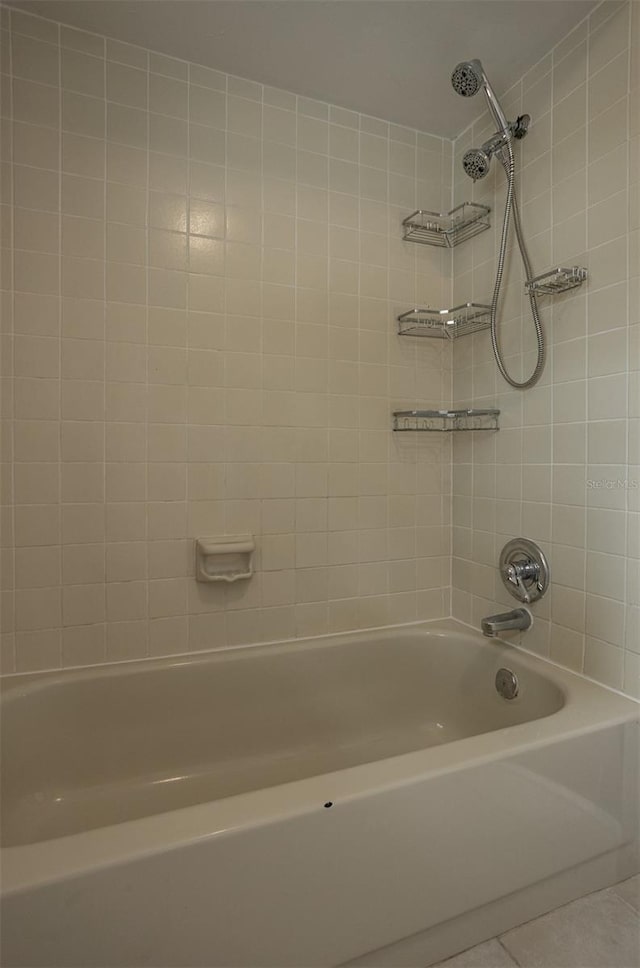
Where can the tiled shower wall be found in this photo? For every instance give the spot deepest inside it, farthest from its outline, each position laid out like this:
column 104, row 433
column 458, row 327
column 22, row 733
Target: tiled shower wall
column 199, row 283
column 200, row 280
column 563, row 470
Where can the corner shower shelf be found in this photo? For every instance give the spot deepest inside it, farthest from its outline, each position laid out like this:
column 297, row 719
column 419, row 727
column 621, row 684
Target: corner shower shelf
column 446, row 228
column 557, row 280
column 445, row 323
column 445, row 420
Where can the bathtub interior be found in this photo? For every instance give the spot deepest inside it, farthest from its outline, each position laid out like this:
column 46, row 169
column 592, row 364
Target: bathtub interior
column 164, row 734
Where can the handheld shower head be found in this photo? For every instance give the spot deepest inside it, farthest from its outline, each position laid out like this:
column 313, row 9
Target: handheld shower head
column 467, row 78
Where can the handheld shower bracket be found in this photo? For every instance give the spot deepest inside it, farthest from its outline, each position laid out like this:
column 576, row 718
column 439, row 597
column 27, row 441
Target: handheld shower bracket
column 521, row 126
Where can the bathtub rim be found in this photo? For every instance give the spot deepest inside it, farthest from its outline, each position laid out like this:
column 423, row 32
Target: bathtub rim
column 588, row 707
column 441, row 627
column 438, row 628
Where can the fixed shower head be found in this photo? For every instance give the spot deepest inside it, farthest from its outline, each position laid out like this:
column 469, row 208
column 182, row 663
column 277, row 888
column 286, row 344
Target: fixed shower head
column 468, row 78
column 476, row 163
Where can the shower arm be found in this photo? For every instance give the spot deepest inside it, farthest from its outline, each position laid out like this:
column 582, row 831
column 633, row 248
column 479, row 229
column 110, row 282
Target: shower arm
column 514, row 129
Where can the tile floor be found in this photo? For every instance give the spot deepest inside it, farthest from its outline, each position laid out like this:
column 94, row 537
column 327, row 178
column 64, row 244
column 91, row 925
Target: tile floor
column 601, row 930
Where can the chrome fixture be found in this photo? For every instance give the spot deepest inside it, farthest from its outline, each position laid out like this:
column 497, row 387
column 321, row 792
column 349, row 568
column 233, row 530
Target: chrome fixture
column 558, row 280
column 445, row 323
column 518, row 619
column 477, row 161
column 445, row 420
column 507, row 683
column 446, row 228
column 524, row 570
column 467, row 79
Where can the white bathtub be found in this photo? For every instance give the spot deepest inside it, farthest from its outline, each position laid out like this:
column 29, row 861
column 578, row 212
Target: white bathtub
column 363, row 799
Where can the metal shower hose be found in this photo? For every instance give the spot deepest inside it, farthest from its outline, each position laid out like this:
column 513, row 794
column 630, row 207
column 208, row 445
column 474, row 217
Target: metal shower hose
column 511, row 206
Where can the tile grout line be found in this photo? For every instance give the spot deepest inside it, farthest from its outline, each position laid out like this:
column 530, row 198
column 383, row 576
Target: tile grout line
column 105, row 280
column 627, row 503
column 612, row 890
column 502, row 944
column 60, row 353
column 12, row 433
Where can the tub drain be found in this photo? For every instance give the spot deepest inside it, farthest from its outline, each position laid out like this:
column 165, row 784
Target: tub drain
column 506, row 683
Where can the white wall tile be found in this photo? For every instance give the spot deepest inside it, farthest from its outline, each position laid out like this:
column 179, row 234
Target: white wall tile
column 252, row 269
column 583, row 439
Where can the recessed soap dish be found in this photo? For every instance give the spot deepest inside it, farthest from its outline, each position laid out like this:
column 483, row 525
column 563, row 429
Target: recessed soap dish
column 225, row 558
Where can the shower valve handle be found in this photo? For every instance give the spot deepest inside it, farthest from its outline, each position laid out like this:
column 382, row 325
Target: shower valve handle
column 520, row 571
column 524, row 570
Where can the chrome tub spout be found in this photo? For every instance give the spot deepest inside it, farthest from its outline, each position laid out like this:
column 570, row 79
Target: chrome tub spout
column 518, row 618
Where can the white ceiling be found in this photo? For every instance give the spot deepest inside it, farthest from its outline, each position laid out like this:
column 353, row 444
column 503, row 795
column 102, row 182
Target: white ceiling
column 388, row 58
